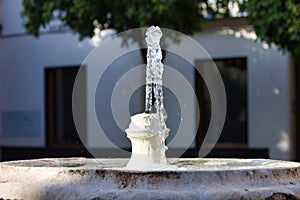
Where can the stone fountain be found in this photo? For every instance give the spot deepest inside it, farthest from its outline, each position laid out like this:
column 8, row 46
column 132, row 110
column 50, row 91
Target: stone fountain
column 148, row 130
column 148, row 174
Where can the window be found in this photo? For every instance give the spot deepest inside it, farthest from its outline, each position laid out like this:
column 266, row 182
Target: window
column 60, row 127
column 234, row 74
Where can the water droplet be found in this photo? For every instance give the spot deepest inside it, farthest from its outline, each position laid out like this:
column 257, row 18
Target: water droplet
column 265, row 45
column 276, row 91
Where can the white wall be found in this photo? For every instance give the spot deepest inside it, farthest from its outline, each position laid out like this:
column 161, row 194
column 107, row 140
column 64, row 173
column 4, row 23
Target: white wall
column 23, row 60
column 10, row 16
column 269, row 95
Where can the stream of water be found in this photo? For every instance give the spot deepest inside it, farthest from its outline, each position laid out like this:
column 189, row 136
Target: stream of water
column 154, row 104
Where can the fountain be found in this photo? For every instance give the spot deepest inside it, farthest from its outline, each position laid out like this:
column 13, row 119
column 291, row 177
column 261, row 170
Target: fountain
column 148, row 130
column 148, row 174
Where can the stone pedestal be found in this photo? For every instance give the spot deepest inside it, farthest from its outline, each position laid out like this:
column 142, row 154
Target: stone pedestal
column 146, row 151
column 80, row 178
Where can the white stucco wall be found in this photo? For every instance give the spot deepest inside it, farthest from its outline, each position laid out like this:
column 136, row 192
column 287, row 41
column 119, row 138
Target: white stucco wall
column 10, row 17
column 269, row 83
column 23, row 60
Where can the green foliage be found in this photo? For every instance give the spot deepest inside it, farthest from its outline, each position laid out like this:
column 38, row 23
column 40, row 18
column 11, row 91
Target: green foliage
column 278, row 22
column 274, row 21
column 79, row 15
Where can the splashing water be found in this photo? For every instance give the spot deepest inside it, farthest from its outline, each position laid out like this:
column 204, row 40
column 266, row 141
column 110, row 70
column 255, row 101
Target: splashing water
column 154, row 90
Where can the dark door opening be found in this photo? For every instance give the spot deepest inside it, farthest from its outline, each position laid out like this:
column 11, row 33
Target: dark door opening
column 234, row 75
column 297, row 104
column 60, row 127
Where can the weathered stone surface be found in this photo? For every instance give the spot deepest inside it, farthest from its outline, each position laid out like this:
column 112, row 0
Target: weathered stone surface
column 80, row 178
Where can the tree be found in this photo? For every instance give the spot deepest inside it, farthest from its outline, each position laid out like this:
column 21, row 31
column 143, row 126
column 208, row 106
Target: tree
column 81, row 15
column 274, row 21
column 278, row 22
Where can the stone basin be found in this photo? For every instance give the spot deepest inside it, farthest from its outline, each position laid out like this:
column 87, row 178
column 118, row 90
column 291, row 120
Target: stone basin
column 186, row 178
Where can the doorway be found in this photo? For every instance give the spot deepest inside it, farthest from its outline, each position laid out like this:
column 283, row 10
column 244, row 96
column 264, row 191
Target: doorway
column 297, row 108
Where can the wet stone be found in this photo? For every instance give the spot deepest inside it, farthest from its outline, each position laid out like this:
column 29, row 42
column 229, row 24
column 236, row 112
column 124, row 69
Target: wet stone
column 193, row 178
